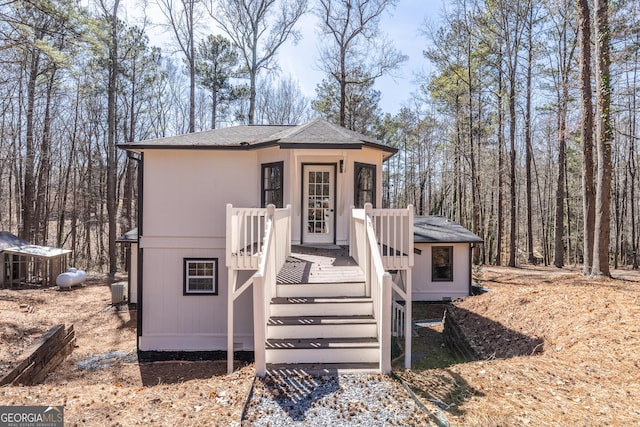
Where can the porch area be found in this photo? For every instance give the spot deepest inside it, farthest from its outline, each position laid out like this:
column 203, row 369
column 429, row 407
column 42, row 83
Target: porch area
column 323, row 305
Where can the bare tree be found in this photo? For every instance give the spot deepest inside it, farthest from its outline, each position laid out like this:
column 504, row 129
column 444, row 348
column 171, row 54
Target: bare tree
column 258, row 28
column 354, row 46
column 282, row 103
column 182, row 17
column 565, row 42
column 110, row 14
column 586, row 130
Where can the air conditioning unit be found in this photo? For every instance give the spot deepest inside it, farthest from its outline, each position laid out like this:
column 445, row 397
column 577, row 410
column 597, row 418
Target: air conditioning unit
column 119, row 293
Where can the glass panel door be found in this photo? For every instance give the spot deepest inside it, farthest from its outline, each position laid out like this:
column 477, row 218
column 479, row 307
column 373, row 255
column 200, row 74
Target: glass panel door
column 318, row 204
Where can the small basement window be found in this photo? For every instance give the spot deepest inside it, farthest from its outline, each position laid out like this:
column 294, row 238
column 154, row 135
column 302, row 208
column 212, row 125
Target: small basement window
column 200, row 276
column 442, row 264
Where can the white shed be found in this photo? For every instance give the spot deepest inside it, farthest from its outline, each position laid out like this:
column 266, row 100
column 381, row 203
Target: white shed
column 443, row 263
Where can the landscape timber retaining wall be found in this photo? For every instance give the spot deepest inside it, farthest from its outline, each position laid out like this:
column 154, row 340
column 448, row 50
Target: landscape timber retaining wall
column 454, row 338
column 44, row 356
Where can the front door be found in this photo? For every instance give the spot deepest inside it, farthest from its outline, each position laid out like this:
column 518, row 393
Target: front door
column 318, row 203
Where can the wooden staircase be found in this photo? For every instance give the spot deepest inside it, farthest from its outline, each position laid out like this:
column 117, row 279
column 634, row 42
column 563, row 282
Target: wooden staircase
column 321, row 313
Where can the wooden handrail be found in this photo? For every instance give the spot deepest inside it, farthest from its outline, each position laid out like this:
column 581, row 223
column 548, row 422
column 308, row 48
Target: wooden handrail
column 258, row 239
column 381, row 240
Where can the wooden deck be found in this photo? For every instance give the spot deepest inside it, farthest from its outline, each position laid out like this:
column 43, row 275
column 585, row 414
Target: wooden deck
column 320, row 264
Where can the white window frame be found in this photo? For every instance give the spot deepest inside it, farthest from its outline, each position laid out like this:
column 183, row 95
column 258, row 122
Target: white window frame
column 214, row 276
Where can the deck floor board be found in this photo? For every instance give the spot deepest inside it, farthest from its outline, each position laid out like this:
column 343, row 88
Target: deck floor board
column 317, row 264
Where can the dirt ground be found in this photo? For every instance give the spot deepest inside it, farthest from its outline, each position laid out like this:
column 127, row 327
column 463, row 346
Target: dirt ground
column 585, row 372
column 124, row 392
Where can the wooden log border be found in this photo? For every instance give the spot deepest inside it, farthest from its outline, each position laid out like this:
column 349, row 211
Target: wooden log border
column 44, row 356
column 455, row 339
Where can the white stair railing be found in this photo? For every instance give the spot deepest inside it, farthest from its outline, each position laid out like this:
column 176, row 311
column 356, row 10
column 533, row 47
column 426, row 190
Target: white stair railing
column 268, row 255
column 381, row 240
column 397, row 319
column 394, row 234
column 245, row 237
column 277, row 247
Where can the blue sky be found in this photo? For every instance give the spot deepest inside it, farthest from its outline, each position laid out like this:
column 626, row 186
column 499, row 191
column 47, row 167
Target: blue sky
column 402, row 27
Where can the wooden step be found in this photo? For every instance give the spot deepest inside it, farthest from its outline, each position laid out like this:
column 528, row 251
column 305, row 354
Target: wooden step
column 332, row 350
column 321, row 306
column 322, row 369
column 322, row 327
column 340, row 289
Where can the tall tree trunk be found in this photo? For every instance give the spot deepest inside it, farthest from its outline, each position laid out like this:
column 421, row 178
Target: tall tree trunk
column 192, row 70
column 500, row 213
column 586, row 130
column 558, row 257
column 527, row 136
column 67, row 174
column 604, row 132
column 44, row 167
column 28, row 200
column 475, row 191
column 512, row 175
column 214, row 108
column 631, row 164
column 112, row 164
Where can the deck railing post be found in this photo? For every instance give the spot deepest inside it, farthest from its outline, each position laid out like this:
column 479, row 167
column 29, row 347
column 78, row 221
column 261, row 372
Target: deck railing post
column 351, row 231
column 232, row 277
column 385, row 326
column 259, row 323
column 229, row 235
column 408, row 309
column 368, row 208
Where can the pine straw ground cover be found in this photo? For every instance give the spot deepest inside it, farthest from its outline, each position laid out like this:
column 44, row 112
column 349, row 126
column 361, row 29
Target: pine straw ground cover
column 588, row 372
column 122, row 393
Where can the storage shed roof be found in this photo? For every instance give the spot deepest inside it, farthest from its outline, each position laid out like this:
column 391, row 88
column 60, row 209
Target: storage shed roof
column 8, row 240
column 37, row 251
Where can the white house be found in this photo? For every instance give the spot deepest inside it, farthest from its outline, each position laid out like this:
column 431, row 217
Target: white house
column 218, row 213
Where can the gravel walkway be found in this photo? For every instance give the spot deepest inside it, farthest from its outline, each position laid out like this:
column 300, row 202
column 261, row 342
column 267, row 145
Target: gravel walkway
column 342, row 400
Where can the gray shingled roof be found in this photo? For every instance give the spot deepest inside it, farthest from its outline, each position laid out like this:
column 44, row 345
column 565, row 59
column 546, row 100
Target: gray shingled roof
column 438, row 229
column 316, row 134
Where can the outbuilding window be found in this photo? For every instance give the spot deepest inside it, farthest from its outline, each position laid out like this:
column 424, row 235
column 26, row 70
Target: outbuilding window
column 442, row 264
column 272, row 184
column 200, row 276
column 365, row 184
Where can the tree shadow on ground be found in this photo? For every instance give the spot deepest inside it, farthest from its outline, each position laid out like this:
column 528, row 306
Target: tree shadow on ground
column 467, row 336
column 442, row 387
column 297, row 392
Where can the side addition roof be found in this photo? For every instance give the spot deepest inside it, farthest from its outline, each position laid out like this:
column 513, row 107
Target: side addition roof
column 318, row 134
column 438, row 229
column 130, row 236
